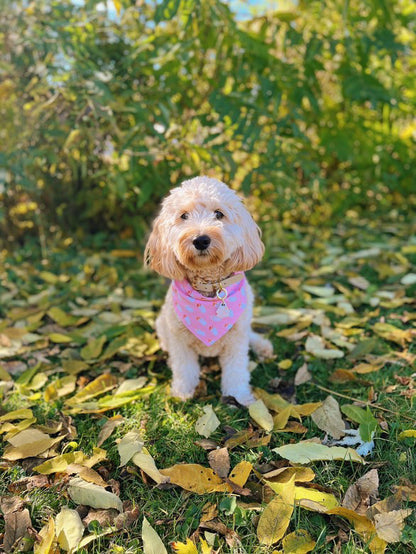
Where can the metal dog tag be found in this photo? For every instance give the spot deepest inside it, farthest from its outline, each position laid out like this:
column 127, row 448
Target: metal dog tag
column 223, row 311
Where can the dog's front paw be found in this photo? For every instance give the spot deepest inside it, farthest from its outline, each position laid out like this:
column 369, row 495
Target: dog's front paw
column 181, row 392
column 243, row 397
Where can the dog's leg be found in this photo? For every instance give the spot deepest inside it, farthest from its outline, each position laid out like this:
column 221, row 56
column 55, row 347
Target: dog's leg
column 235, row 374
column 183, row 362
column 262, row 347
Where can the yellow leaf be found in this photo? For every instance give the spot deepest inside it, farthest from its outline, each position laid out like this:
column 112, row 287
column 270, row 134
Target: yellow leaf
column 185, row 548
column 240, row 473
column 60, row 387
column 151, row 540
column 100, row 385
column 60, row 463
column 284, row 474
column 59, row 338
column 47, row 538
column 12, row 429
column 316, row 346
column 409, row 433
column 280, row 420
column 23, row 413
column 129, row 445
column 69, row 529
column 328, row 418
column 394, row 334
column 285, row 364
column 205, row 548
column 117, row 5
column 146, row 463
column 306, row 409
column 312, row 499
column 29, row 443
column 298, row 542
column 364, row 527
column 274, row 402
column 195, row 478
column 276, row 515
column 261, row 415
column 61, row 317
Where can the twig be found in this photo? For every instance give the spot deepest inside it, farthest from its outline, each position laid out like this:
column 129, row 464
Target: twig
column 365, row 402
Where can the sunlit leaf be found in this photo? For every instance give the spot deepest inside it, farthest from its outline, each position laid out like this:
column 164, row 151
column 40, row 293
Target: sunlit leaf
column 306, row 452
column 69, row 529
column 261, row 415
column 207, row 423
column 276, row 516
column 152, row 543
column 88, row 494
column 298, row 542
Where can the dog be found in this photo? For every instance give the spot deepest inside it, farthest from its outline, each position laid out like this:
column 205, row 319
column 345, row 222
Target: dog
column 204, row 240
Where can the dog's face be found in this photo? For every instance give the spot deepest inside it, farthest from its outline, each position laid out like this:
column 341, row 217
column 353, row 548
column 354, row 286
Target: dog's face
column 203, row 224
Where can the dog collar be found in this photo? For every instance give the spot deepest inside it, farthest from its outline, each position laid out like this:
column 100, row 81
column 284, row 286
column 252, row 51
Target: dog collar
column 207, row 318
column 222, row 284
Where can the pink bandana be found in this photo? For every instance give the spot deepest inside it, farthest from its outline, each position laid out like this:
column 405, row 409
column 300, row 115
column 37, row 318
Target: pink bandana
column 209, row 318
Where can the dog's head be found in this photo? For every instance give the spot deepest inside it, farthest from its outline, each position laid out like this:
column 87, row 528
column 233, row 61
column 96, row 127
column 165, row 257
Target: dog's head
column 203, row 224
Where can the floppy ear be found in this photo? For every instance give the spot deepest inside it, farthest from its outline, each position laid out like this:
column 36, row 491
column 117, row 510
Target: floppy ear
column 159, row 254
column 251, row 252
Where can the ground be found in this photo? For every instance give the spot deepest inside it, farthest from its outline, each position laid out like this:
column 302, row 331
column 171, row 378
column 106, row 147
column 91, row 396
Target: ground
column 338, row 305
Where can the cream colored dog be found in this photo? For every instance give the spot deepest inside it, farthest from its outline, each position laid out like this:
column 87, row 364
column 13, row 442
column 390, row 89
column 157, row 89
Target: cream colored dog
column 204, row 239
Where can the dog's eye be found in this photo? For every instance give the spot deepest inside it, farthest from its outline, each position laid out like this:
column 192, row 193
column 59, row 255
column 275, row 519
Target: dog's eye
column 218, row 214
column 185, row 215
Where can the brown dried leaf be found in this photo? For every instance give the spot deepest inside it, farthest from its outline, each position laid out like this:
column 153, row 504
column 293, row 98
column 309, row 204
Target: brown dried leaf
column 219, row 461
column 362, row 493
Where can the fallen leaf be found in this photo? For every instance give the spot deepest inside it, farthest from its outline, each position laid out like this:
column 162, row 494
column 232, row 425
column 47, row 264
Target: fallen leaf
column 93, row 348
column 284, row 474
column 394, row 334
column 362, row 493
column 316, row 346
column 303, row 375
column 364, row 527
column 100, row 385
column 368, row 423
column 152, row 543
column 408, row 433
column 92, row 495
column 128, row 446
column 16, row 524
column 69, row 529
column 240, row 473
column 328, row 418
column 108, row 428
column 276, row 516
column 309, row 498
column 305, row 452
column 261, row 415
column 47, row 539
column 185, row 548
column 389, row 525
column 29, row 443
column 273, row 402
column 146, row 463
column 219, row 460
column 298, row 542
column 23, row 413
column 207, row 423
column 195, row 478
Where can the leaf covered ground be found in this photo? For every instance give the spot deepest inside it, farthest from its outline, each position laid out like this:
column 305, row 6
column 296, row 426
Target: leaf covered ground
column 96, row 457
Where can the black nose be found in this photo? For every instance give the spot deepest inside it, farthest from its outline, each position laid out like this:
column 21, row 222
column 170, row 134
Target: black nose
column 202, row 242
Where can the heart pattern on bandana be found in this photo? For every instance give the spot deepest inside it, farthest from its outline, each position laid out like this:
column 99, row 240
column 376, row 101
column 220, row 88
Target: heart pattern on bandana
column 199, row 313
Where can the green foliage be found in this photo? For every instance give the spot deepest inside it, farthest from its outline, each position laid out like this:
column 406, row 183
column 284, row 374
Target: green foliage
column 309, row 109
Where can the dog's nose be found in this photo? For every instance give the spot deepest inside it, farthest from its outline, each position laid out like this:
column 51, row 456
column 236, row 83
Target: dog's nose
column 202, row 242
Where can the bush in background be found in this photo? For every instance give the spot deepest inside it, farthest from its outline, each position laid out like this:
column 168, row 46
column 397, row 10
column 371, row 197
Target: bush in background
column 105, row 106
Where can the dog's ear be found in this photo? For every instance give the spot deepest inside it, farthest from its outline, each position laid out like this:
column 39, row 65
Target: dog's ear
column 159, row 255
column 251, row 252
